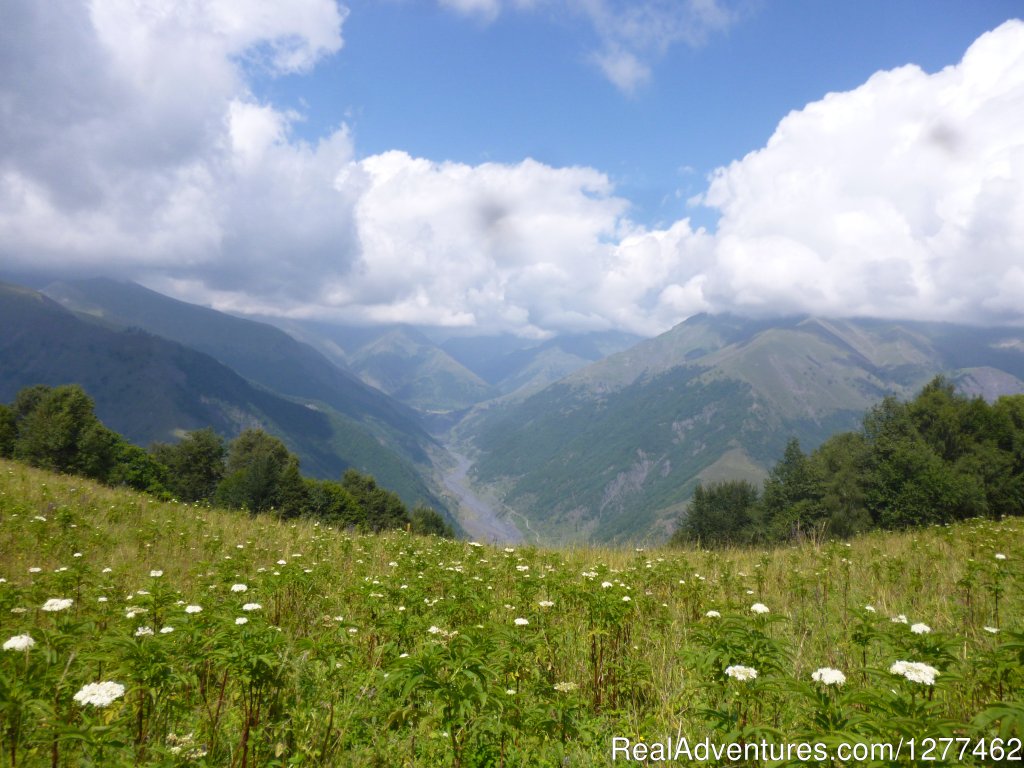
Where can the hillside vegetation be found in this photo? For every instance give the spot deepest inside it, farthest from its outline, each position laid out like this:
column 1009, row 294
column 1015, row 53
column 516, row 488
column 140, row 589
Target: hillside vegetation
column 139, row 632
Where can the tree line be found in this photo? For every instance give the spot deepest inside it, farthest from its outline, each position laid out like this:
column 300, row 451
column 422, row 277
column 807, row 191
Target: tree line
column 935, row 459
column 56, row 428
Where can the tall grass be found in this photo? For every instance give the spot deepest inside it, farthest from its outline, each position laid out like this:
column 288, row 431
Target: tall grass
column 398, row 650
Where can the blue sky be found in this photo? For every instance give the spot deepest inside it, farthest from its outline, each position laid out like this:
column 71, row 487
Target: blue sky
column 522, row 166
column 453, row 86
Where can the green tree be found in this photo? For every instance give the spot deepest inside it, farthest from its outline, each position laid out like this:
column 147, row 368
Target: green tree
column 257, row 463
column 57, row 430
column 787, row 500
column 426, row 521
column 383, row 509
column 328, row 501
column 8, row 431
column 195, row 464
column 721, row 513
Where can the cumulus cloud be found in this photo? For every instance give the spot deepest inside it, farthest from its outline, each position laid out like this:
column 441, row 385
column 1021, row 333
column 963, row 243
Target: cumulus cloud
column 901, row 198
column 144, row 154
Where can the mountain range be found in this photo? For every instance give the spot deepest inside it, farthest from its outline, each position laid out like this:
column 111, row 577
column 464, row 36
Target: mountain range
column 590, row 437
column 612, row 452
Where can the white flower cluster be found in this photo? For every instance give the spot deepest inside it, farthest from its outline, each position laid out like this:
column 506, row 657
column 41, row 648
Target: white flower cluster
column 741, row 673
column 19, row 643
column 828, row 676
column 99, row 694
column 55, row 604
column 566, row 687
column 759, row 608
column 915, row 672
column 713, row 615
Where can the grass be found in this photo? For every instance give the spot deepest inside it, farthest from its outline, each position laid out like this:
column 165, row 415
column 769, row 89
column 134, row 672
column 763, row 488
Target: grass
column 398, row 650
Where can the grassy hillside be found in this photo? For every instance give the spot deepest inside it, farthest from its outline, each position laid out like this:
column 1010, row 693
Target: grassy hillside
column 395, row 650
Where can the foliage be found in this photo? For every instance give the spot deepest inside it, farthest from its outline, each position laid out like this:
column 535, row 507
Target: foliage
column 939, row 458
column 208, row 637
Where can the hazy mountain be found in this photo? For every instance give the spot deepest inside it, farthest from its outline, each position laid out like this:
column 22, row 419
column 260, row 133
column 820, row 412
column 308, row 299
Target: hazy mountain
column 512, row 364
column 259, row 352
column 613, row 451
column 149, row 388
column 414, row 370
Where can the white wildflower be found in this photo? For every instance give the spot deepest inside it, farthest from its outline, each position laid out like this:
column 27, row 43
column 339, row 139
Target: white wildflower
column 920, row 629
column 239, row 587
column 901, row 619
column 759, row 608
column 143, row 631
column 251, row 607
column 828, row 676
column 241, row 620
column 521, row 622
column 915, row 672
column 713, row 615
column 55, row 604
column 99, row 694
column 156, row 574
column 193, row 609
column 566, row 687
column 741, row 673
column 19, row 643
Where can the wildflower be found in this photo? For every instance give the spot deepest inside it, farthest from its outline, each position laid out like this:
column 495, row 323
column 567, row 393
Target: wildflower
column 156, row 574
column 1000, row 556
column 741, row 673
column 901, row 619
column 35, row 569
column 828, row 676
column 520, row 622
column 107, row 570
column 143, row 631
column 241, row 620
column 193, row 609
column 915, row 672
column 510, row 691
column 166, row 630
column 605, row 584
column 565, row 687
column 869, row 608
column 713, row 615
column 991, row 630
column 102, row 599
column 19, row 643
column 99, row 694
column 545, row 604
column 55, row 604
column 251, row 607
column 626, row 598
column 920, row 629
column 239, row 587
column 435, row 630
column 759, row 608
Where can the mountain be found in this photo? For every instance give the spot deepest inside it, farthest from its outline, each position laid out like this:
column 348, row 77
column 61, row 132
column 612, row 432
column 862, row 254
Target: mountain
column 409, row 367
column 523, row 366
column 260, row 352
column 152, row 389
column 612, row 452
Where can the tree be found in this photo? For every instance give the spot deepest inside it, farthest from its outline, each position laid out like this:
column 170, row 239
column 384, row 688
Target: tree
column 8, row 431
column 195, row 464
column 788, row 495
column 256, row 465
column 426, row 521
column 721, row 513
column 57, row 430
column 383, row 509
column 328, row 501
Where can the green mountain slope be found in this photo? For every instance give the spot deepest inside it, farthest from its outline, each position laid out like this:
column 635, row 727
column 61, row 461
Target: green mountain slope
column 409, row 367
column 259, row 352
column 149, row 388
column 613, row 451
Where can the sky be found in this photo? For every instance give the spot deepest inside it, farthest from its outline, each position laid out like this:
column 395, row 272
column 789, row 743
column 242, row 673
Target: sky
column 533, row 167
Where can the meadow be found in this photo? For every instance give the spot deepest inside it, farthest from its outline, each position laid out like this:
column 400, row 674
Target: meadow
column 139, row 632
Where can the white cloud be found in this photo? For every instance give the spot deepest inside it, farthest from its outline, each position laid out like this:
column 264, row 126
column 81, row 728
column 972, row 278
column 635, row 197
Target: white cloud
column 630, row 34
column 901, row 198
column 145, row 154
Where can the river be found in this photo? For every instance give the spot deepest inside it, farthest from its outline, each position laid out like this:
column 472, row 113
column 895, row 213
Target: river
column 477, row 516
